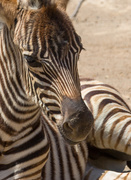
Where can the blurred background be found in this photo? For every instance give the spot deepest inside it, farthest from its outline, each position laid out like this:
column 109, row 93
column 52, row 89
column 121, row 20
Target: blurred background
column 105, row 29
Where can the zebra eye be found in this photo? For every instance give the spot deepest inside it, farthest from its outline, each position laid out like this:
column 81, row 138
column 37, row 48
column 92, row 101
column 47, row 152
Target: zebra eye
column 32, row 61
column 29, row 59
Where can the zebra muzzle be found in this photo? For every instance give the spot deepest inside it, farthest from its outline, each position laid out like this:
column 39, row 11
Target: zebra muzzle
column 78, row 120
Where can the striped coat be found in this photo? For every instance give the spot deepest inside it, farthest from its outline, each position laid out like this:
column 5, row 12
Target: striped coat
column 112, row 117
column 72, row 162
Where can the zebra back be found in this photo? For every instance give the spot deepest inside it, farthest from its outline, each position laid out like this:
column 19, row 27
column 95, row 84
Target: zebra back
column 112, row 117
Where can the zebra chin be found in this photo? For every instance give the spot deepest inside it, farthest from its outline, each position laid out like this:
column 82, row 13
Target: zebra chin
column 77, row 120
column 67, row 140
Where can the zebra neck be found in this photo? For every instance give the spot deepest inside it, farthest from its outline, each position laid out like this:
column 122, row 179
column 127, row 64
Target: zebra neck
column 11, row 61
column 17, row 110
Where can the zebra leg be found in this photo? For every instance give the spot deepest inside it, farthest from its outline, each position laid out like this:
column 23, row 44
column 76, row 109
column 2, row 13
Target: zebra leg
column 93, row 173
column 99, row 158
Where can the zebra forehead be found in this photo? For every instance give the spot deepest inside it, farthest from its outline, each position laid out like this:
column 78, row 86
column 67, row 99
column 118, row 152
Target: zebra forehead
column 44, row 29
column 49, row 20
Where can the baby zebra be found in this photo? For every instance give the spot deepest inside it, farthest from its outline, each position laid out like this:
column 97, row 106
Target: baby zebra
column 39, row 50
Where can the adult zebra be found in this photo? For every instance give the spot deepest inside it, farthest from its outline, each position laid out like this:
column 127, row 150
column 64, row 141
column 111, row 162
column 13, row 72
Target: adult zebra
column 109, row 142
column 39, row 50
column 112, row 119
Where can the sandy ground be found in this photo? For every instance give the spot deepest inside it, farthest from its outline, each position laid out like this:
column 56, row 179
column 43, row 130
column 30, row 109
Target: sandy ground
column 105, row 29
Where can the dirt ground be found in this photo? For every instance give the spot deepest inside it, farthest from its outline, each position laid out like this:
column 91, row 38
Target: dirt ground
column 105, row 29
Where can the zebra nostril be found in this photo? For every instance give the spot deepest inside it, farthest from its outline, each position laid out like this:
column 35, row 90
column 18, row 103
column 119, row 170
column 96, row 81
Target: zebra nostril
column 67, row 127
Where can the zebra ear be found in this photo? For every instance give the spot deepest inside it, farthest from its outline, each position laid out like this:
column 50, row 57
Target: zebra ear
column 34, row 4
column 7, row 11
column 62, row 3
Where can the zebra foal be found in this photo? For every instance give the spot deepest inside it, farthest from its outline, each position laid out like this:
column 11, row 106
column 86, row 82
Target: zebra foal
column 39, row 50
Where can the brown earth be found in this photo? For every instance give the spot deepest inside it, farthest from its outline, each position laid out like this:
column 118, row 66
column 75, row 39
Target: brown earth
column 105, row 28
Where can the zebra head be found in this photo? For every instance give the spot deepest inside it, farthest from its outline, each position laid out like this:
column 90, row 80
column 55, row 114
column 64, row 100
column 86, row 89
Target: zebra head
column 50, row 48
